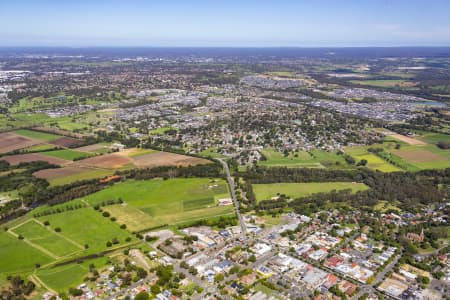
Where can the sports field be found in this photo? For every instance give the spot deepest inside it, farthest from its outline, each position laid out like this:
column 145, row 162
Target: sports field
column 87, row 226
column 46, row 238
column 296, row 190
column 18, row 256
column 166, row 201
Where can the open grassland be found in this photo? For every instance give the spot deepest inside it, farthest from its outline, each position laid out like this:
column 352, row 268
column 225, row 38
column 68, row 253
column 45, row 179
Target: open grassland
column 373, row 162
column 86, row 226
column 61, row 278
column 38, row 135
column 167, row 201
column 296, row 190
column 384, row 206
column 40, row 236
column 434, row 138
column 210, row 152
column 67, row 154
column 303, row 159
column 18, row 256
column 134, row 218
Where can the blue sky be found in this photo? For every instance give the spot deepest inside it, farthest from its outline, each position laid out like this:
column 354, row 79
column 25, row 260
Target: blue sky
column 237, row 23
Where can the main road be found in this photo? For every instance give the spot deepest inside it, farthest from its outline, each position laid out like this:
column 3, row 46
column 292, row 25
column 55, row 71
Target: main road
column 233, row 196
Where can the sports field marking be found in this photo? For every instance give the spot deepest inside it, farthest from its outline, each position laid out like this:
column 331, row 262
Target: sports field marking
column 43, row 250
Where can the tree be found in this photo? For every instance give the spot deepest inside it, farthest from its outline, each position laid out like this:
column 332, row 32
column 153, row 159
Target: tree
column 155, row 289
column 142, row 296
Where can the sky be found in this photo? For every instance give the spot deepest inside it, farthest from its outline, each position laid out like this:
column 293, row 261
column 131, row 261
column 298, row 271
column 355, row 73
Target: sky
column 225, row 23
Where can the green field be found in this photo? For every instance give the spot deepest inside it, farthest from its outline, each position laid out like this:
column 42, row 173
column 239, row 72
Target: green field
column 408, row 157
column 61, row 278
column 89, row 174
column 47, row 137
column 40, row 236
column 296, row 190
column 373, row 162
column 165, row 200
column 160, row 131
column 87, row 226
column 40, row 147
column 303, row 159
column 17, row 256
column 134, row 218
column 67, row 154
column 424, row 157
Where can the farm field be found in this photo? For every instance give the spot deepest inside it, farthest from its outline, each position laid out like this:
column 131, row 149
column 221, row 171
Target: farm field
column 10, row 141
column 295, row 190
column 38, row 135
column 167, row 201
column 96, row 148
column 159, row 158
column 70, row 174
column 424, row 157
column 106, row 161
column 418, row 153
column 29, row 157
column 66, row 142
column 67, row 154
column 44, row 237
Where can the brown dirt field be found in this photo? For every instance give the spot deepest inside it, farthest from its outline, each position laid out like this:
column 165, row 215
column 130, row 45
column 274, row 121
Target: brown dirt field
column 61, row 172
column 418, row 156
column 108, row 161
column 66, row 142
column 11, row 141
column 167, row 159
column 29, row 157
column 406, row 139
